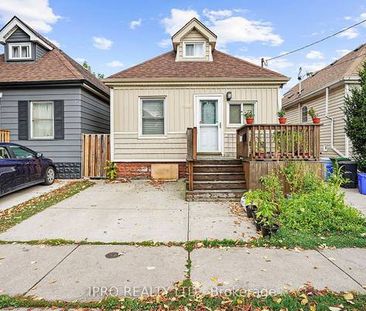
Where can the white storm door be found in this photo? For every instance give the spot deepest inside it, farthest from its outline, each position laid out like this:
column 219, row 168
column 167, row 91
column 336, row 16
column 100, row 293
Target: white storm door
column 209, row 125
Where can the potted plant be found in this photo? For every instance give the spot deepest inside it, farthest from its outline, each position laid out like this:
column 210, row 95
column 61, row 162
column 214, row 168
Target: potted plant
column 314, row 115
column 355, row 120
column 268, row 218
column 249, row 117
column 281, row 117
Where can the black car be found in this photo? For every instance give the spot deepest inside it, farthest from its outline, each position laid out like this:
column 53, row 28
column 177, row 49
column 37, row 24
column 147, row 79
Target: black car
column 21, row 167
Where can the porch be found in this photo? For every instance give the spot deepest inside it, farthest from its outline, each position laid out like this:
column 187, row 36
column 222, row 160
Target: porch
column 260, row 148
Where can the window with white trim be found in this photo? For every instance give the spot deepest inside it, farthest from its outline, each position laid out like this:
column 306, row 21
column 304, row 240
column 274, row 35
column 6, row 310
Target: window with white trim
column 19, row 51
column 42, row 120
column 194, row 49
column 237, row 110
column 152, row 117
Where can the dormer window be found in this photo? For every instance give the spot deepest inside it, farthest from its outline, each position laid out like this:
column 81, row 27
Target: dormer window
column 20, row 51
column 194, row 49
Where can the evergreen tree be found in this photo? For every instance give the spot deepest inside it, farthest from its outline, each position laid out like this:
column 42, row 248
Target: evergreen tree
column 355, row 118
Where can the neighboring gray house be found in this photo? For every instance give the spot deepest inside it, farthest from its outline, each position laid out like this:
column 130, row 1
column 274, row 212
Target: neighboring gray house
column 47, row 100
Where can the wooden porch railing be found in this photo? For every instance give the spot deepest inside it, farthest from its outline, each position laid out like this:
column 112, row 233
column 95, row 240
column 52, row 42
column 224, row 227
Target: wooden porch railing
column 278, row 142
column 4, row 136
column 191, row 154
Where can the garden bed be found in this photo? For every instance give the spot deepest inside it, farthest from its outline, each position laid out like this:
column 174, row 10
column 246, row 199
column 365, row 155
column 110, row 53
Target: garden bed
column 312, row 214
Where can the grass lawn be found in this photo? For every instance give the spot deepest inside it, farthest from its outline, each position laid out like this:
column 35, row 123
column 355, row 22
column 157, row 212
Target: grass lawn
column 18, row 213
column 185, row 298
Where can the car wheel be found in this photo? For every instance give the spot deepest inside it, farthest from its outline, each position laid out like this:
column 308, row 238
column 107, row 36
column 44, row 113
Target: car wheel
column 49, row 176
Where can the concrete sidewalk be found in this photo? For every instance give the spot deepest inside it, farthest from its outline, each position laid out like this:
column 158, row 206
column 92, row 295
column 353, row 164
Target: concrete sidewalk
column 84, row 273
column 354, row 198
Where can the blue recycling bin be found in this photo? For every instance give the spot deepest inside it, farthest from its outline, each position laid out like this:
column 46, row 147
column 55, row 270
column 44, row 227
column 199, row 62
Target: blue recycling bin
column 362, row 183
column 328, row 167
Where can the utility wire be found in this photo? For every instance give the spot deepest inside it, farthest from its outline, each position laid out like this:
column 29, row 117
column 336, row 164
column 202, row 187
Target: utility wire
column 313, row 43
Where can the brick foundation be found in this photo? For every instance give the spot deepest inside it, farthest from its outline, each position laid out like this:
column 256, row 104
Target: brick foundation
column 142, row 170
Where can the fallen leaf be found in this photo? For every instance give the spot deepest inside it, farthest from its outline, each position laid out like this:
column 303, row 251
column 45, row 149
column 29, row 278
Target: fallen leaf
column 334, row 309
column 348, row 296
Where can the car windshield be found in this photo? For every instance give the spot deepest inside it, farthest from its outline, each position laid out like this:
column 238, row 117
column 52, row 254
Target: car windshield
column 4, row 153
column 22, row 153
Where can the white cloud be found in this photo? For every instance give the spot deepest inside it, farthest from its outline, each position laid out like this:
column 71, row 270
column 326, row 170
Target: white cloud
column 315, row 55
column 115, row 63
column 164, row 43
column 347, row 18
column 349, row 34
column 276, row 64
column 342, row 52
column 37, row 13
column 226, row 26
column 135, row 23
column 214, row 15
column 313, row 67
column 177, row 19
column 240, row 29
column 102, row 43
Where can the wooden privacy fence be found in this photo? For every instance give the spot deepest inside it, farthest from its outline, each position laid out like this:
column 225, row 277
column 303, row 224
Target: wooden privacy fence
column 96, row 153
column 4, row 136
column 278, row 142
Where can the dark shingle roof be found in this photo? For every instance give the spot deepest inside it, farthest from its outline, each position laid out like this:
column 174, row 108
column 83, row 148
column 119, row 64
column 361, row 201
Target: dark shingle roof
column 345, row 67
column 223, row 66
column 55, row 65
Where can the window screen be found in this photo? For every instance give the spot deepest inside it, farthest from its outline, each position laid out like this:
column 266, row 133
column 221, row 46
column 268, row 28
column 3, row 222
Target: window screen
column 152, row 117
column 235, row 114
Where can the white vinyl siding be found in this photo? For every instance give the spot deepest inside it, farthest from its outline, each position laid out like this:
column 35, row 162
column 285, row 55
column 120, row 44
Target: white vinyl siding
column 129, row 145
column 336, row 102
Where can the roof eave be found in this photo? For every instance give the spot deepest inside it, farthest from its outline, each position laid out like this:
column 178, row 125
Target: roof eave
column 259, row 80
column 353, row 79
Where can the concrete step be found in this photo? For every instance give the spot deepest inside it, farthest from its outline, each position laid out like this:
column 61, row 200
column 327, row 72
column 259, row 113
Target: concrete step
column 218, row 185
column 219, row 176
column 214, row 195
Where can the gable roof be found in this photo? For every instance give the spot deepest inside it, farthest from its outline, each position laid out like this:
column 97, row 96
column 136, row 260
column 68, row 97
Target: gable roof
column 54, row 66
column 345, row 68
column 194, row 23
column 223, row 67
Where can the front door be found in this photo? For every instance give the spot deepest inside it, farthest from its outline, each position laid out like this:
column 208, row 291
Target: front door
column 209, row 124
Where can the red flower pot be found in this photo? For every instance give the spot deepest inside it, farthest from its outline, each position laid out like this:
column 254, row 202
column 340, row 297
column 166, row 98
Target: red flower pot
column 316, row 120
column 282, row 120
column 249, row 120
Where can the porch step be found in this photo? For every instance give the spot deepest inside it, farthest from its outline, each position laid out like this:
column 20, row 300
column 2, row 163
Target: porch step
column 218, row 185
column 217, row 180
column 218, row 176
column 214, row 195
column 218, row 162
column 217, row 168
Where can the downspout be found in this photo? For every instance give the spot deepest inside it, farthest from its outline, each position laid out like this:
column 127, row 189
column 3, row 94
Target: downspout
column 331, row 123
column 346, row 139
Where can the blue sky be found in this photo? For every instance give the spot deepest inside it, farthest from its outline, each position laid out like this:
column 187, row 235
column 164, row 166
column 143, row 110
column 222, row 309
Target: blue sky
column 113, row 35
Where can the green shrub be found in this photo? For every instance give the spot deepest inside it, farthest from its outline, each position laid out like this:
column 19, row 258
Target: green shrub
column 111, row 170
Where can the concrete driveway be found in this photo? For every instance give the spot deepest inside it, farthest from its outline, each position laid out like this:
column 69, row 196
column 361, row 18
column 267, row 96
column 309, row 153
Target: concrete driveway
column 21, row 196
column 133, row 212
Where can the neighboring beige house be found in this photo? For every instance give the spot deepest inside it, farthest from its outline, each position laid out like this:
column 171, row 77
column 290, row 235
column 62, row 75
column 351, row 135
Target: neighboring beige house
column 325, row 91
column 153, row 103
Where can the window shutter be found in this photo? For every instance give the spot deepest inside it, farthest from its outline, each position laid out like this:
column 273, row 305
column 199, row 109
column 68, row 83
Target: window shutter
column 23, row 117
column 59, row 119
